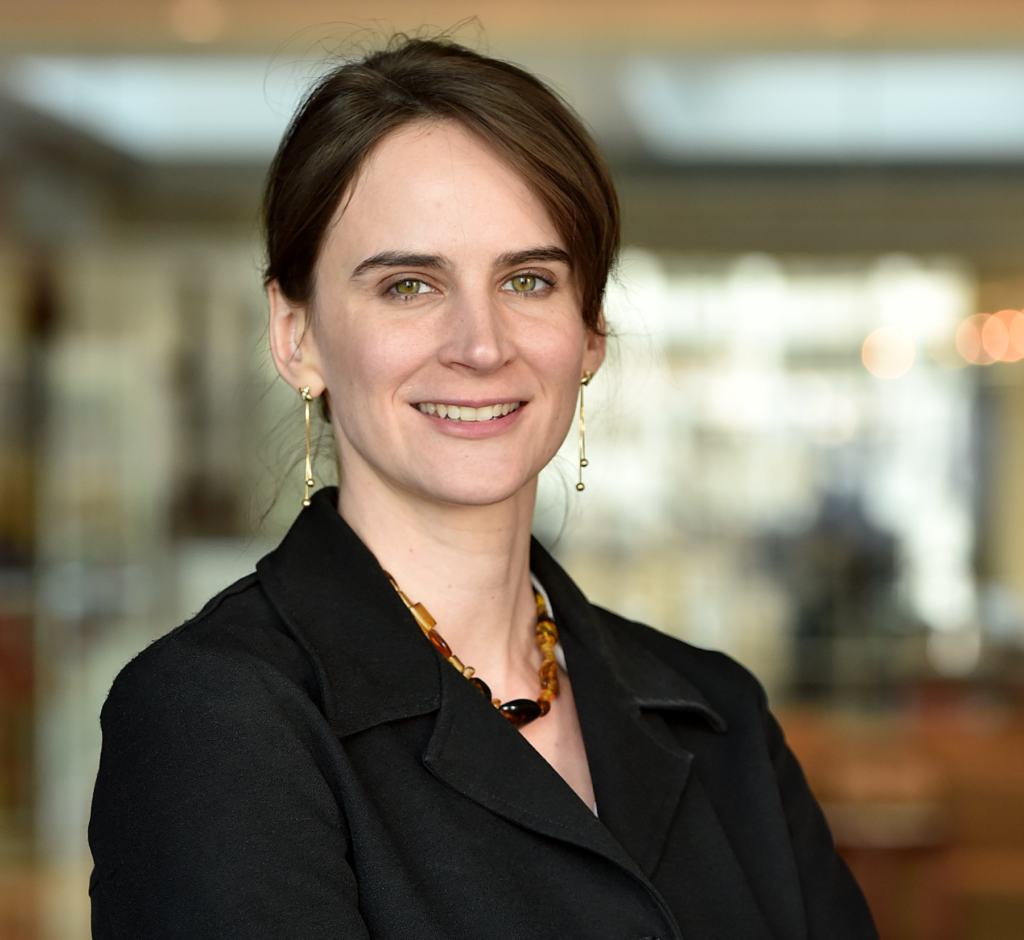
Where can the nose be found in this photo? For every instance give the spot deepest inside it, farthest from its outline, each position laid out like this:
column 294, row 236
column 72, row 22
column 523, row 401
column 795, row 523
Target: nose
column 476, row 333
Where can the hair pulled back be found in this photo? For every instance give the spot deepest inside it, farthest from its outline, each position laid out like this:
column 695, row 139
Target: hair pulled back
column 354, row 106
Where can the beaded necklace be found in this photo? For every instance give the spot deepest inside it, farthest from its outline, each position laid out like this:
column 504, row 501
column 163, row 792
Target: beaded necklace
column 520, row 711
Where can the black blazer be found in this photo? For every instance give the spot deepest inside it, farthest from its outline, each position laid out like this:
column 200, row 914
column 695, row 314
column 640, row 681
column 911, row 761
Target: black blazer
column 299, row 762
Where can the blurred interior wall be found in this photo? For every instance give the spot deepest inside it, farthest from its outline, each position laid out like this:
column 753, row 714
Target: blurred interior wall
column 151, row 442
column 17, row 537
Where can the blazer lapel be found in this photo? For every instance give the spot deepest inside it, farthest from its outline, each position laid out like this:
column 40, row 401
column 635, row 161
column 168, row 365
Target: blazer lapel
column 477, row 752
column 647, row 774
column 638, row 776
column 638, row 769
column 648, row 791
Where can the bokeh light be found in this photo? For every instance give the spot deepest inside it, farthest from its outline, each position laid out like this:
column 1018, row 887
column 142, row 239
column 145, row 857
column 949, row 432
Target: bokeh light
column 888, row 353
column 985, row 338
column 995, row 338
column 969, row 340
column 1013, row 322
column 1017, row 334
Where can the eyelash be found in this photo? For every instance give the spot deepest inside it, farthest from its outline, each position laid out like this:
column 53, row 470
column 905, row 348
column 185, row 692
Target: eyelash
column 393, row 288
column 547, row 283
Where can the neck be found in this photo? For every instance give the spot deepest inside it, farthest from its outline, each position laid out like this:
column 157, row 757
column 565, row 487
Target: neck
column 468, row 565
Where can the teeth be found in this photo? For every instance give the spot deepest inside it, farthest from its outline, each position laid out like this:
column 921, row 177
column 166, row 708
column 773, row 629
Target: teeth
column 466, row 413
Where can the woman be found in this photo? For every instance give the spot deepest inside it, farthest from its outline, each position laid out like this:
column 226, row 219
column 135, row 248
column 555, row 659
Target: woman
column 302, row 760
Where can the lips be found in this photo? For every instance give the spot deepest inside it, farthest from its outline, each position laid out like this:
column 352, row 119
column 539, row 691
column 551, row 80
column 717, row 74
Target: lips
column 466, row 413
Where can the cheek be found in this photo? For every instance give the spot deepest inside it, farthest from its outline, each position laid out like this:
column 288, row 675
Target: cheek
column 364, row 363
column 558, row 351
column 562, row 365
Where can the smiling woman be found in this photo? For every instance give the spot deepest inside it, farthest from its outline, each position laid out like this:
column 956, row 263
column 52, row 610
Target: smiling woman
column 306, row 757
column 443, row 282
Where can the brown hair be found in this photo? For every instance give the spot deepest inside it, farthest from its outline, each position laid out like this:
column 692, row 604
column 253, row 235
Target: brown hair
column 352, row 108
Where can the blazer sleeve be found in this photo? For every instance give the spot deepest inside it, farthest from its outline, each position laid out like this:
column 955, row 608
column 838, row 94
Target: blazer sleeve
column 834, row 905
column 212, row 816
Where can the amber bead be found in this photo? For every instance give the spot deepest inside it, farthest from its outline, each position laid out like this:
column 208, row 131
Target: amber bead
column 423, row 617
column 439, row 642
column 546, row 630
column 521, row 711
column 482, row 686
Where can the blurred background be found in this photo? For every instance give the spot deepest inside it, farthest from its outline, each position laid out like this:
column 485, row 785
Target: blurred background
column 807, row 449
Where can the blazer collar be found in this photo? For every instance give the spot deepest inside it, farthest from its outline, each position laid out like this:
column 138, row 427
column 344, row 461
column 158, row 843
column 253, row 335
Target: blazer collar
column 337, row 602
column 373, row 664
column 645, row 680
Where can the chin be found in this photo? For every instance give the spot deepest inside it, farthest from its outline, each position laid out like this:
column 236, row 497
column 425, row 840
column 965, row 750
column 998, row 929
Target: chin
column 478, row 489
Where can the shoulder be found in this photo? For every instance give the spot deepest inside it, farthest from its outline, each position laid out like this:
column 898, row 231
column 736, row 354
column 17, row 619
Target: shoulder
column 235, row 652
column 212, row 731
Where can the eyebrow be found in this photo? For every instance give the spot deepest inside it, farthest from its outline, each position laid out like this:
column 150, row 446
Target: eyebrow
column 402, row 259
column 544, row 253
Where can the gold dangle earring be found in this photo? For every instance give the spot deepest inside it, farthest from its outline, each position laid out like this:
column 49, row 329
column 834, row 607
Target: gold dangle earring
column 308, row 476
column 584, row 382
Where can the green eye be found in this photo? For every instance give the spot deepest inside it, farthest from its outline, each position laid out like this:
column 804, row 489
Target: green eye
column 524, row 283
column 408, row 286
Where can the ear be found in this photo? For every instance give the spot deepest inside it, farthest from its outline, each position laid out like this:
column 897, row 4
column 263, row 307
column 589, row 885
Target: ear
column 291, row 342
column 594, row 349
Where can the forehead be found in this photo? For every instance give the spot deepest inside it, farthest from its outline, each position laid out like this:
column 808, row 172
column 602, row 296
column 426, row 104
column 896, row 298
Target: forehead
column 437, row 186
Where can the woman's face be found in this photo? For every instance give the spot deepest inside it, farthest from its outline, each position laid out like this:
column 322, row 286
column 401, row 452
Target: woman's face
column 446, row 325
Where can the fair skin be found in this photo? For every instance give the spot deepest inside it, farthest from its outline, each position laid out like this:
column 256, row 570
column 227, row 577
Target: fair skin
column 442, row 281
